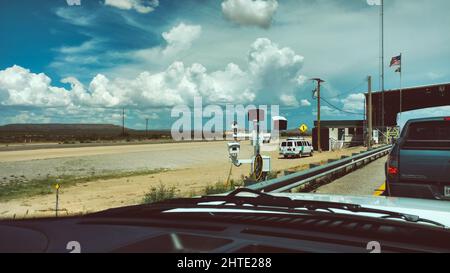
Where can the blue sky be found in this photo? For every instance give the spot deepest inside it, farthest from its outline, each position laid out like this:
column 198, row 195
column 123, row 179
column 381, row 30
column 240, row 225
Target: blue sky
column 82, row 61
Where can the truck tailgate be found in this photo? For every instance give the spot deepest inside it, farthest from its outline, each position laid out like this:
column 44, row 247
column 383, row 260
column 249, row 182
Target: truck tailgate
column 424, row 165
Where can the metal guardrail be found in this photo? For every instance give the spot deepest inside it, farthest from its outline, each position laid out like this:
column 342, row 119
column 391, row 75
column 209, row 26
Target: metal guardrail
column 294, row 180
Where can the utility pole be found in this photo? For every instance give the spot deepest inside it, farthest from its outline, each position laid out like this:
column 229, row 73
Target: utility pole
column 369, row 113
column 319, row 81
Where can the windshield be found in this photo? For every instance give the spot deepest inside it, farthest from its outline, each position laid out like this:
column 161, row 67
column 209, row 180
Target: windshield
column 109, row 104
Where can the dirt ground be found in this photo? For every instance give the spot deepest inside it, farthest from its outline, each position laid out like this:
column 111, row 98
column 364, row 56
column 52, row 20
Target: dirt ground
column 197, row 165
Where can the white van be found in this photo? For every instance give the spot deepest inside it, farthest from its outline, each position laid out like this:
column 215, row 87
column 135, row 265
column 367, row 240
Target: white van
column 296, row 147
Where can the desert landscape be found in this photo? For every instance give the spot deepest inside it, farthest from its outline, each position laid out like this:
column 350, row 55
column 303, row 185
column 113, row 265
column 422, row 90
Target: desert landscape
column 98, row 178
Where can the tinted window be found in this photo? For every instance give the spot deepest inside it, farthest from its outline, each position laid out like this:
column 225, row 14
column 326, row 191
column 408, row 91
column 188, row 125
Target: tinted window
column 283, row 144
column 299, row 144
column 430, row 130
column 290, row 144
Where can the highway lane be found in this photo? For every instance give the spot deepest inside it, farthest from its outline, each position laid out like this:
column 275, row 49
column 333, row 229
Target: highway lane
column 368, row 180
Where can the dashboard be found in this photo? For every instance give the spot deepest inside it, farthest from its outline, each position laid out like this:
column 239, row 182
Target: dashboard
column 227, row 233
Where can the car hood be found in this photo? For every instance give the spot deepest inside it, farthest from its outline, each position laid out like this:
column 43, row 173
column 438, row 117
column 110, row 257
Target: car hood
column 435, row 210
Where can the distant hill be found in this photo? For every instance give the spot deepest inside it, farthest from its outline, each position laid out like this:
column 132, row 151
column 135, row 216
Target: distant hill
column 71, row 132
column 60, row 127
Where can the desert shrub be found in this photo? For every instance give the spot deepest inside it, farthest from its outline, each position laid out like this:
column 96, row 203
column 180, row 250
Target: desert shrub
column 159, row 193
column 272, row 175
column 221, row 187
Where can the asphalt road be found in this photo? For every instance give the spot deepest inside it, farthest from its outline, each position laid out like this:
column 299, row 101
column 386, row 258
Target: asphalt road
column 89, row 161
column 368, row 180
column 38, row 164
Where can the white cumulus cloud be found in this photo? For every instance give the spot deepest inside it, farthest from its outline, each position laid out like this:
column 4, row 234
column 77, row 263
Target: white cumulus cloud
column 328, row 112
column 274, row 71
column 27, row 117
column 305, row 103
column 271, row 76
column 180, row 38
column 20, row 87
column 141, row 6
column 354, row 103
column 250, row 12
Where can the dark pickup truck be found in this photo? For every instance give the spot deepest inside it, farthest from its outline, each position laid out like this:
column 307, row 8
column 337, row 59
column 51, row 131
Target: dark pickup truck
column 419, row 163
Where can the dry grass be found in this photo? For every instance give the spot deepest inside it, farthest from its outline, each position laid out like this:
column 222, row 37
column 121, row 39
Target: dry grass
column 17, row 188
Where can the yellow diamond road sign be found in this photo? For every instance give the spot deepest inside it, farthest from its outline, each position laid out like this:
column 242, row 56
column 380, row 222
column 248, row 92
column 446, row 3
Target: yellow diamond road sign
column 303, row 128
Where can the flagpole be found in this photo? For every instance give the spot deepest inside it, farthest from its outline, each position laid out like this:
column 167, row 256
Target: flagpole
column 382, row 64
column 401, row 95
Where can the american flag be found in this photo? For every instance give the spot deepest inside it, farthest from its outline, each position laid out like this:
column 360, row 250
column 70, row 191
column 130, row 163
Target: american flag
column 397, row 60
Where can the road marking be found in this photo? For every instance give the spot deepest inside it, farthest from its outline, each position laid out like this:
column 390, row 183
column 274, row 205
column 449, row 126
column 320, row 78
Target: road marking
column 380, row 190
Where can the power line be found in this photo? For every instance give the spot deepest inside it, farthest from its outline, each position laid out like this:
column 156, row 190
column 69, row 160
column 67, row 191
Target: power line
column 351, row 90
column 339, row 109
